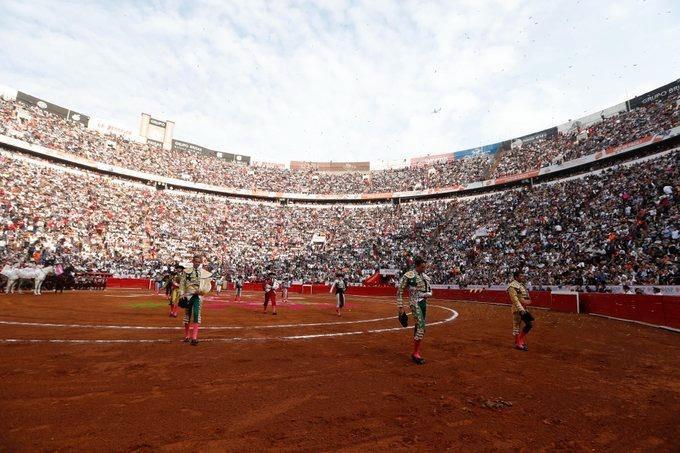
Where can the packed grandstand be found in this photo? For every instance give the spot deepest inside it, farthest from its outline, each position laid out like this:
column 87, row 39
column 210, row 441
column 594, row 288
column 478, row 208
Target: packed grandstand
column 611, row 219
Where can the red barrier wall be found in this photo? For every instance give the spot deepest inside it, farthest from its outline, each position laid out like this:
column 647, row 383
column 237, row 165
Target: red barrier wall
column 657, row 310
column 671, row 311
column 127, row 283
column 563, row 302
column 371, row 290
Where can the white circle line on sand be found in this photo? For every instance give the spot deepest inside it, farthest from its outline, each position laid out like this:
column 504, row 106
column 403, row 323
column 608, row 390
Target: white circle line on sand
column 122, row 327
column 454, row 315
column 125, row 327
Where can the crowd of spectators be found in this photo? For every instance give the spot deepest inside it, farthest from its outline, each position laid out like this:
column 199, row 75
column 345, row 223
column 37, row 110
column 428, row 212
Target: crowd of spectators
column 618, row 226
column 615, row 226
column 655, row 117
column 34, row 125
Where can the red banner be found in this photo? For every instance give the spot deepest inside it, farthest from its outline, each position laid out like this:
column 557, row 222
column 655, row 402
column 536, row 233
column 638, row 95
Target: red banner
column 508, row 178
column 625, row 146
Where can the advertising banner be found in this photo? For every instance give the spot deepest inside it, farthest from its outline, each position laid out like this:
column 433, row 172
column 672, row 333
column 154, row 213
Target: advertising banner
column 52, row 108
column 529, row 138
column 242, row 159
column 330, row 166
column 186, row 146
column 48, row 106
column 448, row 157
column 105, row 127
column 625, row 147
column 179, row 145
column 481, row 150
column 431, row 160
column 156, row 131
column 655, row 95
column 509, row 178
column 156, row 122
column 78, row 117
column 272, row 165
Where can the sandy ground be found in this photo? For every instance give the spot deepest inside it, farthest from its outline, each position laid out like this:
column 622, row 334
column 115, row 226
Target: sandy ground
column 309, row 380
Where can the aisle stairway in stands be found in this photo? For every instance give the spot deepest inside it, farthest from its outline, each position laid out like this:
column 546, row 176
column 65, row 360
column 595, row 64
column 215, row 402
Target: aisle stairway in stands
column 492, row 168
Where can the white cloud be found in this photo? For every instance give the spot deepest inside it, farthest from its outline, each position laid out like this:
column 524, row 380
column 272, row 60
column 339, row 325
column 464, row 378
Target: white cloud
column 338, row 80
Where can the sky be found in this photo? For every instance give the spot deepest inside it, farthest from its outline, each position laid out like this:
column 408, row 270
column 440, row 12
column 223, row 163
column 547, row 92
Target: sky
column 340, row 80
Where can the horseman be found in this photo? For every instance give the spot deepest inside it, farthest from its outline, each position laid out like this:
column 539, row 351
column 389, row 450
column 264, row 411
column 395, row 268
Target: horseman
column 46, row 256
column 34, row 252
column 60, row 250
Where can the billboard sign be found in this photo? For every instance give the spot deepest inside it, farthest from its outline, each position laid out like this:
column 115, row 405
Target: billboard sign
column 179, row 145
column 530, row 138
column 330, row 166
column 52, row 108
column 655, row 95
column 479, row 151
column 431, row 160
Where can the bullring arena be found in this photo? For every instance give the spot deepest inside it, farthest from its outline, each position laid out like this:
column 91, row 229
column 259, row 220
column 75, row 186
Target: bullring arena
column 348, row 225
column 107, row 371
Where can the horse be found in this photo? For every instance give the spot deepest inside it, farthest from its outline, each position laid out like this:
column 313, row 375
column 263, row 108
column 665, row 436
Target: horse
column 15, row 275
column 7, row 271
column 64, row 280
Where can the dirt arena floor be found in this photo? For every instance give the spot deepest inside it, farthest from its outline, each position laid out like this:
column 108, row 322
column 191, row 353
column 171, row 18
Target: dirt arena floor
column 308, row 380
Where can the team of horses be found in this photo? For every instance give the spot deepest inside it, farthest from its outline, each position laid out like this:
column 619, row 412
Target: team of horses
column 15, row 275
